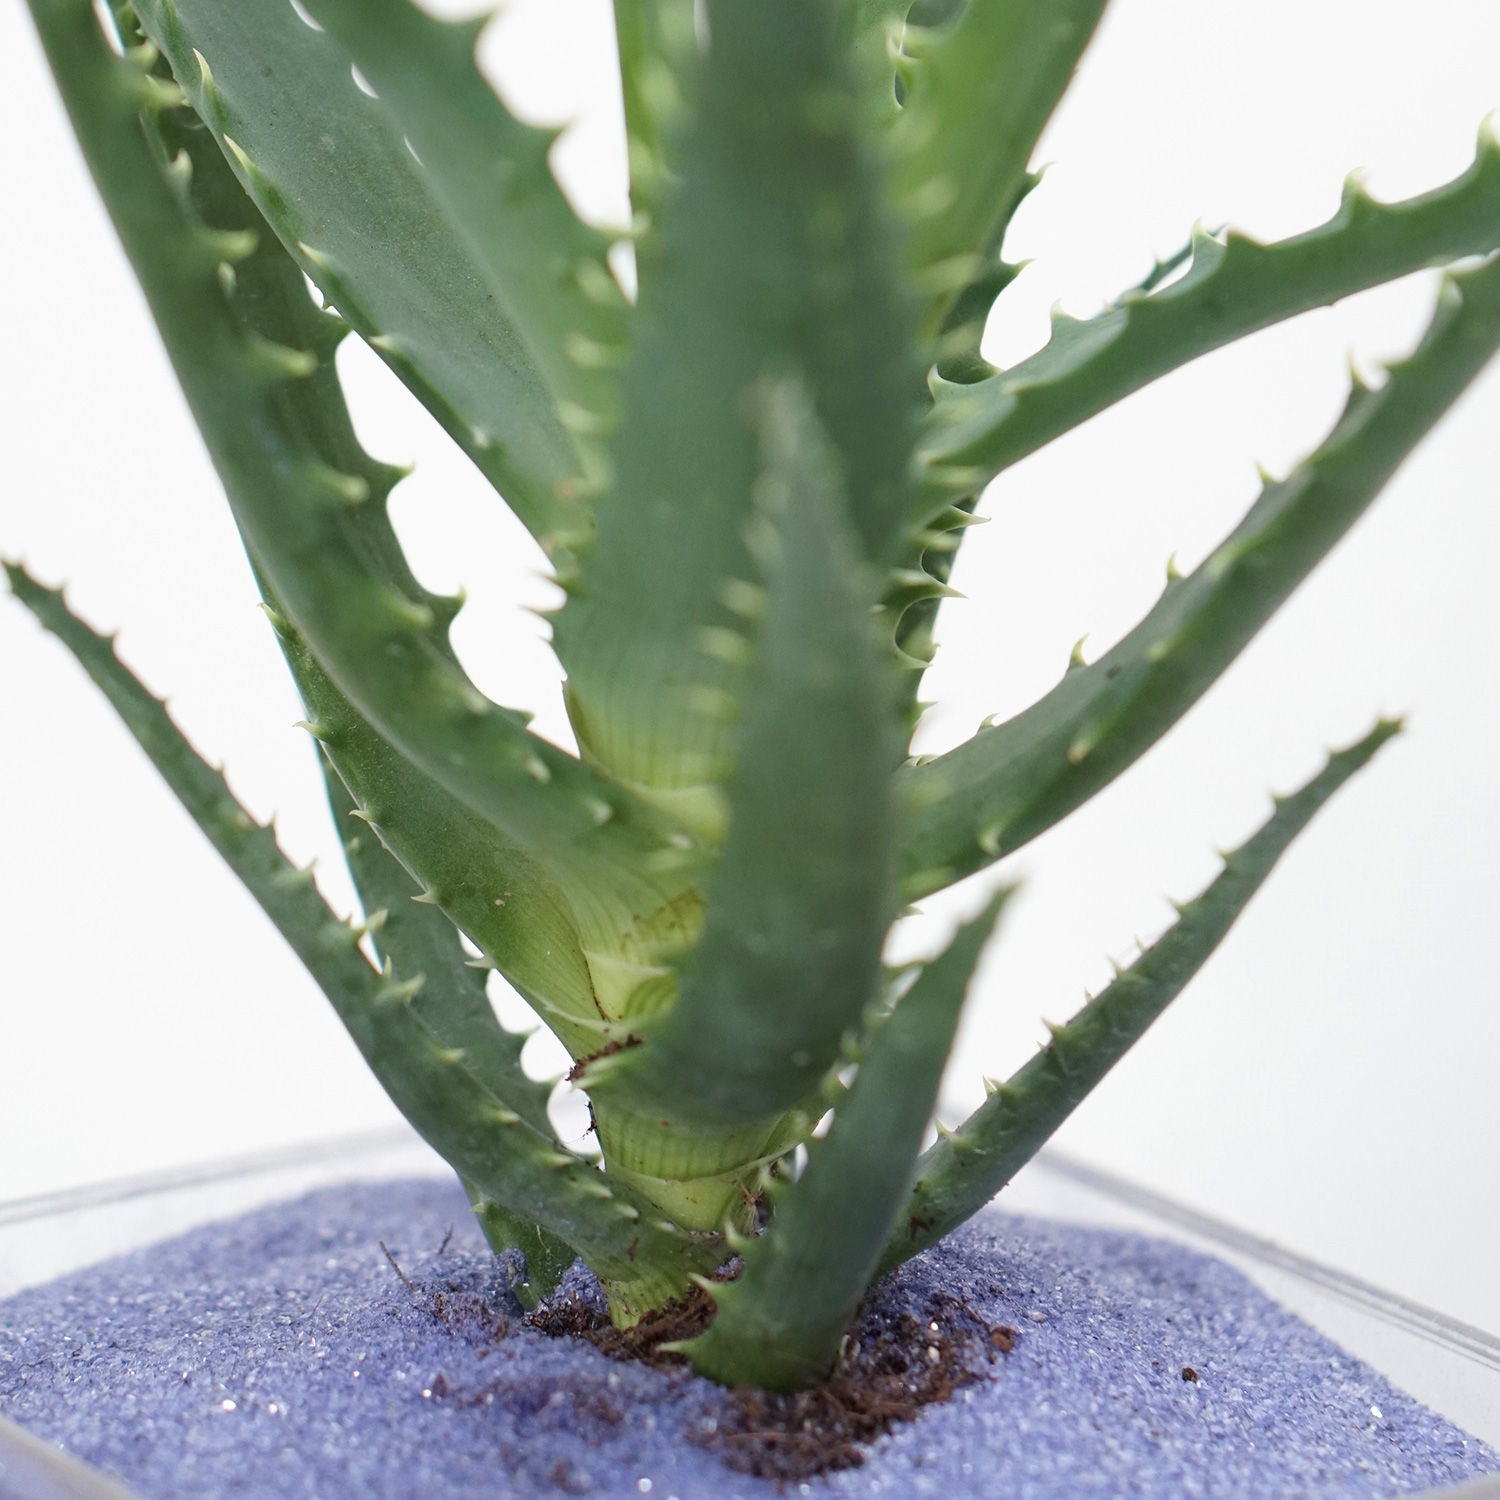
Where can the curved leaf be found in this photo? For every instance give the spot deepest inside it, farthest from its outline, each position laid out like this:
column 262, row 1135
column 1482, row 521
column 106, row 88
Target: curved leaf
column 800, row 899
column 1232, row 286
column 329, row 168
column 779, row 1324
column 783, row 207
column 1009, row 782
column 481, row 1134
column 978, row 88
column 966, row 1167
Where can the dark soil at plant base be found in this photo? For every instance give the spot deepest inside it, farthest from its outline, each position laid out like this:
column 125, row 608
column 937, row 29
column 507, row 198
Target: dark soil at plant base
column 284, row 1356
column 888, row 1370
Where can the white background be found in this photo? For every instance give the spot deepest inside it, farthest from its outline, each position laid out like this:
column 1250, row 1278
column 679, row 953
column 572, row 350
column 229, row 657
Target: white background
column 1331, row 1077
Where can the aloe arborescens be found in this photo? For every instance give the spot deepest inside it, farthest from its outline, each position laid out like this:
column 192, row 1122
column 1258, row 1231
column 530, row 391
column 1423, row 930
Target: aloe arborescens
column 751, row 479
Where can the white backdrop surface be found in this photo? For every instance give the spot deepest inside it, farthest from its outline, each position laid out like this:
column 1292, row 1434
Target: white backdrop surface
column 1330, row 1079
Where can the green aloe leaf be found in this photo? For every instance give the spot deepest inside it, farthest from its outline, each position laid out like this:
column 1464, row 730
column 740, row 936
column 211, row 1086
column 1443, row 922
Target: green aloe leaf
column 783, row 205
column 978, row 88
column 799, row 901
column 454, row 1005
column 653, row 41
column 303, row 515
column 498, row 895
column 418, row 938
column 531, row 936
column 329, row 168
column 966, row 1167
column 490, row 177
column 1011, row 781
column 491, row 890
column 871, row 28
column 481, row 1134
column 779, row 1324
column 1232, row 286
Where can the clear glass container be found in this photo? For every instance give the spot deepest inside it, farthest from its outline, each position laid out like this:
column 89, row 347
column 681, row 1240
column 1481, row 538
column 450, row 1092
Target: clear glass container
column 1451, row 1367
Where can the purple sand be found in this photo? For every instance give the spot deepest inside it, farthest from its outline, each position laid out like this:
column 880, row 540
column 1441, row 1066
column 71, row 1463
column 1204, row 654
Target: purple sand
column 279, row 1355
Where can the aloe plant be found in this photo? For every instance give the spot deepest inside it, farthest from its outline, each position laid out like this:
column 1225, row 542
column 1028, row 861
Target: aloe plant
column 751, row 479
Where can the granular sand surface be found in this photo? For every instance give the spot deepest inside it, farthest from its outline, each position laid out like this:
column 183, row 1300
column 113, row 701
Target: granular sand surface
column 280, row 1355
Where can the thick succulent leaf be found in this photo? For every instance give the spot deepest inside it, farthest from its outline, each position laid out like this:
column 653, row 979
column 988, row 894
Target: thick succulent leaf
column 779, row 1324
column 965, row 1168
column 653, row 41
column 517, row 917
column 489, row 175
column 303, row 518
column 271, row 305
column 329, row 168
column 1231, row 287
column 417, row 938
column 1011, row 781
column 481, row 1134
column 800, row 899
column 871, row 29
column 781, row 261
column 701, row 1178
column 977, row 90
column 531, row 937
column 453, row 1004
column 500, row 897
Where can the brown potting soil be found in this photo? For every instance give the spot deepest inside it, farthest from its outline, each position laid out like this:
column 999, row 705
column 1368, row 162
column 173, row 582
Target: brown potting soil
column 888, row 1370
